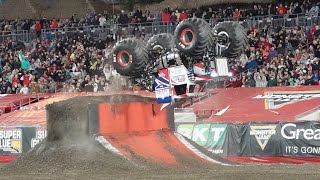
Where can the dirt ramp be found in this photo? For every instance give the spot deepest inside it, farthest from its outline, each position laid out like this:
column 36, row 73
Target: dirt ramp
column 159, row 147
column 135, row 126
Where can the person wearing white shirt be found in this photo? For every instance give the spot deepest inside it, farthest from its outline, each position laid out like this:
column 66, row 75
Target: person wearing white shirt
column 102, row 21
column 107, row 73
column 24, row 90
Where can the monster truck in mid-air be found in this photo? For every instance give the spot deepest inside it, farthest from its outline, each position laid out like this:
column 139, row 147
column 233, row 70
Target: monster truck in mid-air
column 171, row 65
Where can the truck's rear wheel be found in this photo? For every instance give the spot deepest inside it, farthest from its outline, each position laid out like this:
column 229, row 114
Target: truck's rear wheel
column 192, row 36
column 236, row 39
column 130, row 57
column 163, row 42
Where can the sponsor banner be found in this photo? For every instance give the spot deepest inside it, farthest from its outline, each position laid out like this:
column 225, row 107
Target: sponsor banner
column 16, row 140
column 254, row 140
column 282, row 139
column 216, row 138
column 10, row 141
column 300, row 139
column 40, row 134
column 209, row 136
column 185, row 130
column 263, row 139
column 200, row 134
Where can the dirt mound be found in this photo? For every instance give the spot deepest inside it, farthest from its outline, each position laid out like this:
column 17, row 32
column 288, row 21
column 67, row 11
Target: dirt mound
column 61, row 159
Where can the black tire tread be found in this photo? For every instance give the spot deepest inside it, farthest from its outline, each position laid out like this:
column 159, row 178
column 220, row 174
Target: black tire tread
column 203, row 36
column 237, row 35
column 139, row 57
column 165, row 40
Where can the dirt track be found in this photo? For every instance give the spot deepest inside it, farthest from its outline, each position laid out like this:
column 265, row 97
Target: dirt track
column 110, row 167
column 76, row 157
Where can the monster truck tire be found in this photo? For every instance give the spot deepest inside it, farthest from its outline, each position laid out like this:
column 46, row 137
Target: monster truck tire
column 236, row 38
column 130, row 57
column 192, row 36
column 163, row 41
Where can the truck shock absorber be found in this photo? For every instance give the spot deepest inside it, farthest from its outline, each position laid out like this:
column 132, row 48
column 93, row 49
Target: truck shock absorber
column 190, row 71
column 207, row 63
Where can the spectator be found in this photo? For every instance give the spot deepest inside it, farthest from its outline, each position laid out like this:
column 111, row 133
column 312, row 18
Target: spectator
column 24, row 90
column 281, row 10
column 38, row 28
column 165, row 17
column 54, row 24
column 183, row 16
column 173, row 18
column 123, row 19
column 102, row 21
column 236, row 14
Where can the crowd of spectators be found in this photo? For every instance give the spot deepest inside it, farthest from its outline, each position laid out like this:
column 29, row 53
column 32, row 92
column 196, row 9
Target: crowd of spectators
column 284, row 58
column 275, row 56
column 71, row 64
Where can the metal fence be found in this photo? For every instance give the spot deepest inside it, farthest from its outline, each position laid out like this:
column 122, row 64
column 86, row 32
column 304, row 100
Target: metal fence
column 20, row 35
column 120, row 31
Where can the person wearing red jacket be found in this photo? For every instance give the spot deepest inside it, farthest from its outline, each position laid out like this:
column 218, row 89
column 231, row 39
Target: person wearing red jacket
column 15, row 81
column 26, row 79
column 236, row 14
column 183, row 16
column 165, row 17
column 282, row 10
column 38, row 28
column 54, row 24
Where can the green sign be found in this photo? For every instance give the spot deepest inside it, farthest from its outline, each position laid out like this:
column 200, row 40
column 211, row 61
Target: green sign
column 185, row 130
column 209, row 136
column 200, row 134
column 216, row 138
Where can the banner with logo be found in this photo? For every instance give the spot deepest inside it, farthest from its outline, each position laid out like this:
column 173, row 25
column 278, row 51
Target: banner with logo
column 40, row 134
column 209, row 136
column 10, row 141
column 282, row 139
column 185, row 130
column 16, row 140
column 216, row 138
column 256, row 139
column 251, row 140
column 300, row 139
column 200, row 134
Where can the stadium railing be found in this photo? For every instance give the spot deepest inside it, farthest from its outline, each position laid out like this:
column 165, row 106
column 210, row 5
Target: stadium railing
column 121, row 31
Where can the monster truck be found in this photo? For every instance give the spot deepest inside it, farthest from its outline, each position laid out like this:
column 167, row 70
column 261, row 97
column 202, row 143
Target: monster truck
column 172, row 65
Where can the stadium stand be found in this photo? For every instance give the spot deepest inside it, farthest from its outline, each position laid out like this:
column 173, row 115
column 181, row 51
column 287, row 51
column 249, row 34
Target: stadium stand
column 68, row 56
